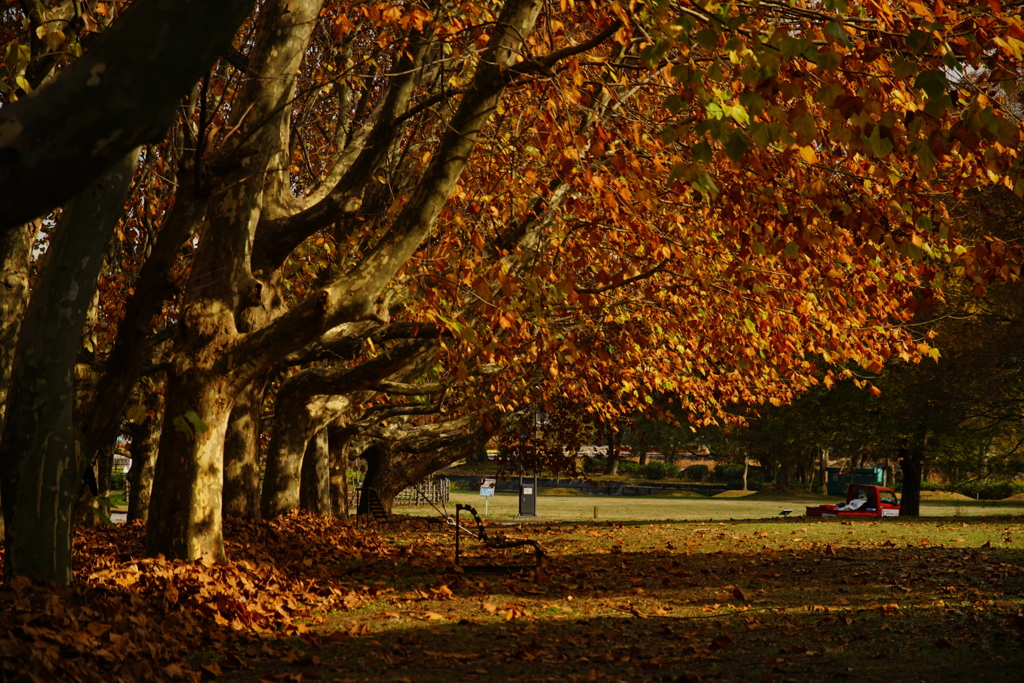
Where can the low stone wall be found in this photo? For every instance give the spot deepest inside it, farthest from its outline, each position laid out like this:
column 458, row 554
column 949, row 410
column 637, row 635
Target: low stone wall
column 595, row 488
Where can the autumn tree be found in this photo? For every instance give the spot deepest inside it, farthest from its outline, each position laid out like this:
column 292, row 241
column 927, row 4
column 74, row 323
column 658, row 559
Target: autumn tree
column 578, row 202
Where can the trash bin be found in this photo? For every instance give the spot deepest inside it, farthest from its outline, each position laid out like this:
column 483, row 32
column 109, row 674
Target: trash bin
column 527, row 497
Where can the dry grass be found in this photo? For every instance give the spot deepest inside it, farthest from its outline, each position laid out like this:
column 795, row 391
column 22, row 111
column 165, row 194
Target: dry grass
column 779, row 600
column 945, row 495
column 763, row 505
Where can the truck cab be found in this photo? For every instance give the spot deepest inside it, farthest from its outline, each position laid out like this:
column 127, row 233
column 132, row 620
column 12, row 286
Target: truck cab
column 862, row 500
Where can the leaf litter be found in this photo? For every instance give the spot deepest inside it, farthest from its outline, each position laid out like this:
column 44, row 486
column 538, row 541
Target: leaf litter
column 306, row 598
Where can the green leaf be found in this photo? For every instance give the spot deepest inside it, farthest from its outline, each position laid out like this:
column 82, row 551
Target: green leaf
column 878, row 145
column 707, row 38
column 937, row 106
column 736, row 146
column 674, row 103
column 652, row 54
column 923, row 151
column 752, row 101
column 827, row 94
column 792, row 250
column 903, row 68
column 933, row 82
column 702, row 152
column 919, row 41
column 760, row 134
column 137, row 413
column 793, row 47
column 828, row 59
column 196, row 421
column 737, row 113
column 836, row 30
column 182, row 425
column 805, row 128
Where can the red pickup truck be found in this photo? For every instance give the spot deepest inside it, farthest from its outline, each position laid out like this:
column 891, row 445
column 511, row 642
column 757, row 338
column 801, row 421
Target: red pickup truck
column 862, row 500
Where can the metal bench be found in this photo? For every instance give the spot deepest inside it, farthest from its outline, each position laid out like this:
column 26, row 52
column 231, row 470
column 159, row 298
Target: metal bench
column 491, row 543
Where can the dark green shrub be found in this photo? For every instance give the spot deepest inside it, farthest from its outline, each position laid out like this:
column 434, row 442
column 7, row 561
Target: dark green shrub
column 728, row 471
column 731, row 474
column 630, row 468
column 990, row 490
column 697, row 473
column 657, row 469
column 594, row 465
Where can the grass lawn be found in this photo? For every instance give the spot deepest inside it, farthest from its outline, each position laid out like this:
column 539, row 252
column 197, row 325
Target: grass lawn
column 938, row 598
column 932, row 599
column 505, row 507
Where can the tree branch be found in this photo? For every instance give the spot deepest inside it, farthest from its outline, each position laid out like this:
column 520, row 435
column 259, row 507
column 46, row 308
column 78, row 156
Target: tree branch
column 120, row 94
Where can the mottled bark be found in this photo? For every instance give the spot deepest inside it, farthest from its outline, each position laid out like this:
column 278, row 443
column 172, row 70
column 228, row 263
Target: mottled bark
column 241, row 455
column 145, row 441
column 40, row 462
column 222, row 283
column 296, row 421
column 434, row 446
column 205, row 380
column 823, row 472
column 613, row 442
column 339, row 438
column 315, row 488
column 911, row 460
column 122, row 93
column 15, row 261
column 185, row 508
column 382, row 476
column 130, row 352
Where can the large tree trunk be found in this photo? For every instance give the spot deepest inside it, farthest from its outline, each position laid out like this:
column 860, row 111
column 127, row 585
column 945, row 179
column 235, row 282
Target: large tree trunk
column 382, row 477
column 15, row 262
column 295, row 424
column 315, row 488
column 426, row 449
column 145, row 441
column 785, row 481
column 185, row 509
column 204, row 383
column 214, row 361
column 911, row 459
column 339, row 438
column 40, row 466
column 823, row 471
column 241, row 455
column 104, row 470
column 614, row 441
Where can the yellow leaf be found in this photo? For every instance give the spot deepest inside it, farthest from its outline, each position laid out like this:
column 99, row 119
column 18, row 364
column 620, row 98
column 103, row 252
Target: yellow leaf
column 808, row 154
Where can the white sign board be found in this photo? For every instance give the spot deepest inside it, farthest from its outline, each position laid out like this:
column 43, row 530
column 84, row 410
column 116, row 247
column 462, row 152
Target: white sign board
column 487, row 487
